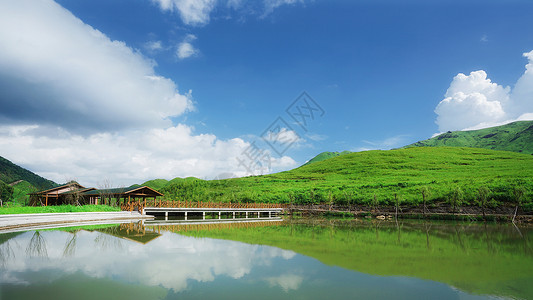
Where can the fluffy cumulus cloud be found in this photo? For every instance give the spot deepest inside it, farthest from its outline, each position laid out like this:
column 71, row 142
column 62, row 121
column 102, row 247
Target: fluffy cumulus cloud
column 171, row 261
column 192, row 12
column 76, row 104
column 153, row 46
column 271, row 5
column 55, row 69
column 473, row 101
column 185, row 48
column 197, row 12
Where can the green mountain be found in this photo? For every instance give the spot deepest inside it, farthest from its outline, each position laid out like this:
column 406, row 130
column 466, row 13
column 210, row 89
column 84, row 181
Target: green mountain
column 516, row 137
column 326, row 155
column 156, row 184
column 21, row 190
column 10, row 173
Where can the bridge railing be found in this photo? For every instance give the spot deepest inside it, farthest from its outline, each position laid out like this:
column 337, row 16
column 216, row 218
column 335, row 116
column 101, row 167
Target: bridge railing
column 199, row 204
column 140, row 205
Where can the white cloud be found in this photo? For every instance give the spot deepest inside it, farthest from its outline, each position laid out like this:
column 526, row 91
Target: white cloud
column 471, row 100
column 522, row 94
column 474, row 101
column 57, row 70
column 171, row 261
column 271, row 5
column 286, row 281
column 197, row 12
column 129, row 157
column 192, row 12
column 125, row 158
column 75, row 104
column 186, row 49
column 316, row 137
column 154, row 46
column 235, row 4
column 388, row 143
column 283, row 136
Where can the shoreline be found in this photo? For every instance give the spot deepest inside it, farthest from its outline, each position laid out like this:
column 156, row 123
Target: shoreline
column 23, row 222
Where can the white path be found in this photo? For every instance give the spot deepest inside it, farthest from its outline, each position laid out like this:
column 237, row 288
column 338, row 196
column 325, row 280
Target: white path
column 22, row 222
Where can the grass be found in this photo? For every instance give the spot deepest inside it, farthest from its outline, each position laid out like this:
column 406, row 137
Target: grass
column 359, row 178
column 57, row 209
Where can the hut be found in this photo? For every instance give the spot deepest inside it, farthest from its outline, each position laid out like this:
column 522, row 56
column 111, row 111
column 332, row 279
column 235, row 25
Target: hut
column 74, row 193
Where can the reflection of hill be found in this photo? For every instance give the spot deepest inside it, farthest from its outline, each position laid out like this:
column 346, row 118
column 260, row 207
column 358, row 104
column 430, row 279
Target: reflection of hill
column 7, row 236
column 480, row 259
column 213, row 226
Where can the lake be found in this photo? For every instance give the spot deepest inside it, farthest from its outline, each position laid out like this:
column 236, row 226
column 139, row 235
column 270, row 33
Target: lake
column 280, row 259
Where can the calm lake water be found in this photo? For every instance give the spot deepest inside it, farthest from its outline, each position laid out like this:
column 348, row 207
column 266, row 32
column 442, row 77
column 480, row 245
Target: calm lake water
column 297, row 259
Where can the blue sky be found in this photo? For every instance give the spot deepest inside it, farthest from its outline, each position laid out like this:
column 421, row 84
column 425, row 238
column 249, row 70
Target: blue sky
column 386, row 74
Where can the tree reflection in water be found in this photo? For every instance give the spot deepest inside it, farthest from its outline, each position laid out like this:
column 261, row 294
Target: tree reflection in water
column 37, row 246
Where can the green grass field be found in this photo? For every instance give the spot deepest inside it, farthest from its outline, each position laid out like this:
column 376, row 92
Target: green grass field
column 361, row 177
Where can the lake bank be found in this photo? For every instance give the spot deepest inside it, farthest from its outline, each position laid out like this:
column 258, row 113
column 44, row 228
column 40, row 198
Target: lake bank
column 22, row 222
column 441, row 212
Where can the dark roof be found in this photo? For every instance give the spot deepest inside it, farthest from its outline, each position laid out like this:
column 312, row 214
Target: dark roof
column 143, row 190
column 82, row 191
column 59, row 187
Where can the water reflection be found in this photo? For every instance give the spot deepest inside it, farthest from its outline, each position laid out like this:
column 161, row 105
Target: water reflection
column 37, row 246
column 167, row 260
column 340, row 259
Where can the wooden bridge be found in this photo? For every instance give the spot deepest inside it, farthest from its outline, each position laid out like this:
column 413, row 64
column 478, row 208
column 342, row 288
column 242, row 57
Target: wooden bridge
column 212, row 210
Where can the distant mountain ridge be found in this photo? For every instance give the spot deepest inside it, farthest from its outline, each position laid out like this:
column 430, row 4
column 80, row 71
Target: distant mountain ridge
column 515, row 137
column 10, row 172
column 325, row 155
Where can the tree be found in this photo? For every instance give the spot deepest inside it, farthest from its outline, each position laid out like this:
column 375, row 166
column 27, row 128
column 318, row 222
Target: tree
column 74, row 195
column 397, row 201
column 518, row 195
column 426, row 193
column 106, row 192
column 375, row 203
column 6, row 193
column 456, row 198
column 483, row 195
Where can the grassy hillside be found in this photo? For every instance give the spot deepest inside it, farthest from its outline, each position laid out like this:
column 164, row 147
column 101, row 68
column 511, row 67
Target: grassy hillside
column 361, row 177
column 516, row 137
column 156, row 184
column 20, row 192
column 9, row 173
column 326, row 155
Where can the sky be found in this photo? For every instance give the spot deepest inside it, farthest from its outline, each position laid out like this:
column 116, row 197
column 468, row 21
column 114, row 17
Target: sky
column 125, row 91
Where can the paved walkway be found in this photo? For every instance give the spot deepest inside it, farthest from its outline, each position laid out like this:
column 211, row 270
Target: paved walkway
column 22, row 222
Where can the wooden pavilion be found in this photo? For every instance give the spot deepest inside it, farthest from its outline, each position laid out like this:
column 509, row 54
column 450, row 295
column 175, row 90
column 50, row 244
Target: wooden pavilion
column 58, row 195
column 121, row 195
column 73, row 192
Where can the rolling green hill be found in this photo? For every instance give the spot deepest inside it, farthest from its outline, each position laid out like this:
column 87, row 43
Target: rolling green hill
column 10, row 173
column 361, row 176
column 326, row 155
column 156, row 184
column 516, row 137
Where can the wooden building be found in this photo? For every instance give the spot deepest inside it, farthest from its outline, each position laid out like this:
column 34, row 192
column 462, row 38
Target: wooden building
column 121, row 195
column 74, row 193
